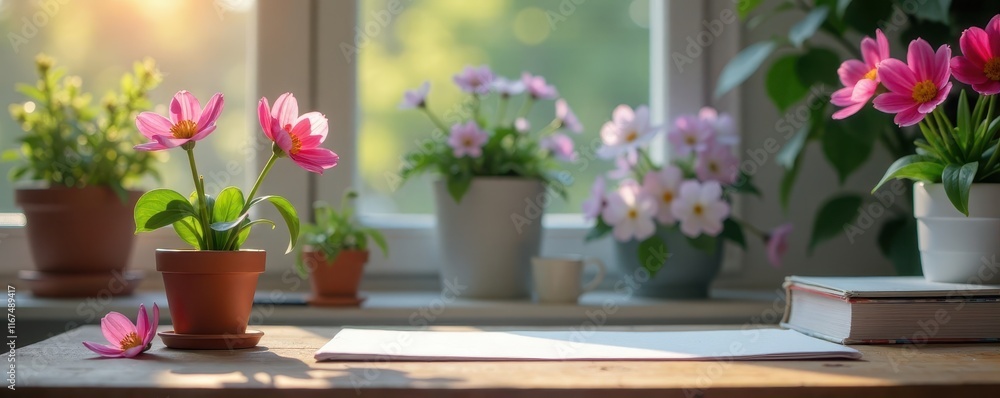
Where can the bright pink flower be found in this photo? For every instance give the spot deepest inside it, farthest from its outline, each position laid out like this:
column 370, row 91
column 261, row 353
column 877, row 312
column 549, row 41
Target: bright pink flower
column 567, row 117
column 416, row 98
column 700, row 208
column 127, row 340
column 630, row 212
column 717, row 163
column 561, row 146
column 475, row 80
column 298, row 136
column 538, row 88
column 917, row 87
column 663, row 186
column 188, row 122
column 860, row 79
column 467, row 140
column 593, row 206
column 690, row 135
column 979, row 64
column 777, row 244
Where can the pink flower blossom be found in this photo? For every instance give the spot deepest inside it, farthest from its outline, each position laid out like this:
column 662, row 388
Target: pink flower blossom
column 777, row 244
column 538, row 88
column 188, row 122
column 623, row 167
column 717, row 163
column 506, row 87
column 979, row 64
column 475, row 80
column 567, row 117
column 561, row 146
column 722, row 126
column 298, row 137
column 467, row 140
column 522, row 125
column 663, row 186
column 626, row 132
column 860, row 78
column 690, row 135
column 127, row 340
column 630, row 212
column 917, row 87
column 593, row 206
column 416, row 98
column 700, row 208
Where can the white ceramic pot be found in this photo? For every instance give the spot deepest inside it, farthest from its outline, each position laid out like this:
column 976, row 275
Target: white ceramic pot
column 955, row 248
column 488, row 239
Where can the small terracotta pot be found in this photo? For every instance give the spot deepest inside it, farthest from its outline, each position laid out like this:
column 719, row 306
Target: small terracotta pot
column 210, row 292
column 339, row 278
column 78, row 230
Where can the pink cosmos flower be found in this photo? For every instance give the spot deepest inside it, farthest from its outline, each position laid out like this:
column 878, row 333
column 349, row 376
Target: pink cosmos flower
column 593, row 206
column 860, row 78
column 522, row 125
column 416, row 98
column 626, row 132
column 917, row 87
column 467, row 140
column 475, row 80
column 689, row 135
column 777, row 244
column 717, row 163
column 722, row 126
column 630, row 212
column 561, row 146
column 188, row 122
column 567, row 117
column 663, row 186
column 506, row 87
column 538, row 88
column 127, row 340
column 979, row 64
column 298, row 136
column 700, row 208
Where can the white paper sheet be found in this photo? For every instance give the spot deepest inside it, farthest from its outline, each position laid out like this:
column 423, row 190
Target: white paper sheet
column 579, row 345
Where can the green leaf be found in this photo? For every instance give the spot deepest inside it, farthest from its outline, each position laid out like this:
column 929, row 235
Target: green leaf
column 746, row 7
column 914, row 167
column 223, row 226
column 159, row 208
column 806, row 28
column 964, row 134
column 458, row 186
column 832, row 217
column 189, row 229
column 379, row 240
column 743, row 65
column 957, row 180
column 10, row 155
column 787, row 183
column 848, row 143
column 653, row 254
column 287, row 212
column 789, row 154
column 245, row 231
column 744, row 184
column 818, row 65
column 228, row 206
column 31, row 92
column 898, row 241
column 733, row 231
column 782, row 85
column 865, row 16
column 599, row 230
column 704, row 243
column 933, row 10
column 842, row 6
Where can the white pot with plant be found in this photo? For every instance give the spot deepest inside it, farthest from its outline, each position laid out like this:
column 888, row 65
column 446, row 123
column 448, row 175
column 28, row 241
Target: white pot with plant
column 495, row 178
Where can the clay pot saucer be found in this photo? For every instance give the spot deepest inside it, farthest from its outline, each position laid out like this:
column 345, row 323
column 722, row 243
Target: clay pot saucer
column 249, row 339
column 88, row 284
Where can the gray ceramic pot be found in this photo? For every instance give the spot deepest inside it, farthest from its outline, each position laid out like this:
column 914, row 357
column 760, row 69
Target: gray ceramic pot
column 686, row 274
column 487, row 240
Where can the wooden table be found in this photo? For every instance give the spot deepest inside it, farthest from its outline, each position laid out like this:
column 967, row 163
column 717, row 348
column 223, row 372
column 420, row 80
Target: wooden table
column 283, row 366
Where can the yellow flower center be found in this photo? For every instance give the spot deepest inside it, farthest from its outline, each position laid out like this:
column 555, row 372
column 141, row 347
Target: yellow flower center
column 184, row 129
column 924, row 91
column 872, row 74
column 698, row 210
column 467, row 142
column 632, row 214
column 632, row 136
column 296, row 145
column 992, row 69
column 690, row 140
column 713, row 167
column 131, row 340
column 668, row 197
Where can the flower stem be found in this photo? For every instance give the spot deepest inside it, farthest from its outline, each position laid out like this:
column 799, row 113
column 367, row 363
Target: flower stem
column 751, row 228
column 232, row 234
column 202, row 200
column 434, row 119
column 526, row 107
column 947, row 134
column 502, row 110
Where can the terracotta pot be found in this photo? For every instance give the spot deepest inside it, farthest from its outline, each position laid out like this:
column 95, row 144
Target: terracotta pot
column 338, row 278
column 210, row 292
column 78, row 230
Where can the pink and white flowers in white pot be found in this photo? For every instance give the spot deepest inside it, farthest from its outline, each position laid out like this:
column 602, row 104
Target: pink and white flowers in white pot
column 669, row 220
column 956, row 166
column 494, row 178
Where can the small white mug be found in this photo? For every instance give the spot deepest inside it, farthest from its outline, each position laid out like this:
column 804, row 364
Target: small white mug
column 558, row 279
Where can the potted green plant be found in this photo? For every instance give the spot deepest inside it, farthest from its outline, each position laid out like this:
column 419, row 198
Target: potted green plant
column 334, row 252
column 494, row 177
column 210, row 288
column 78, row 156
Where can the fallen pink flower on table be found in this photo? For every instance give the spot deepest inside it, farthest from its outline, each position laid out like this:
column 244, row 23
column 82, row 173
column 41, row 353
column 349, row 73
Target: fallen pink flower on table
column 127, row 340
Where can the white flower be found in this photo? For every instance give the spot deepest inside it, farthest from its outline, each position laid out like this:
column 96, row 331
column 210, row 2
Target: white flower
column 722, row 124
column 700, row 208
column 663, row 187
column 630, row 212
column 506, row 87
column 522, row 125
column 626, row 132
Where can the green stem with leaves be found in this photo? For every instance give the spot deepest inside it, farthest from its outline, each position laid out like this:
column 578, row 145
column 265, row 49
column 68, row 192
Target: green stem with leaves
column 234, row 233
column 202, row 200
